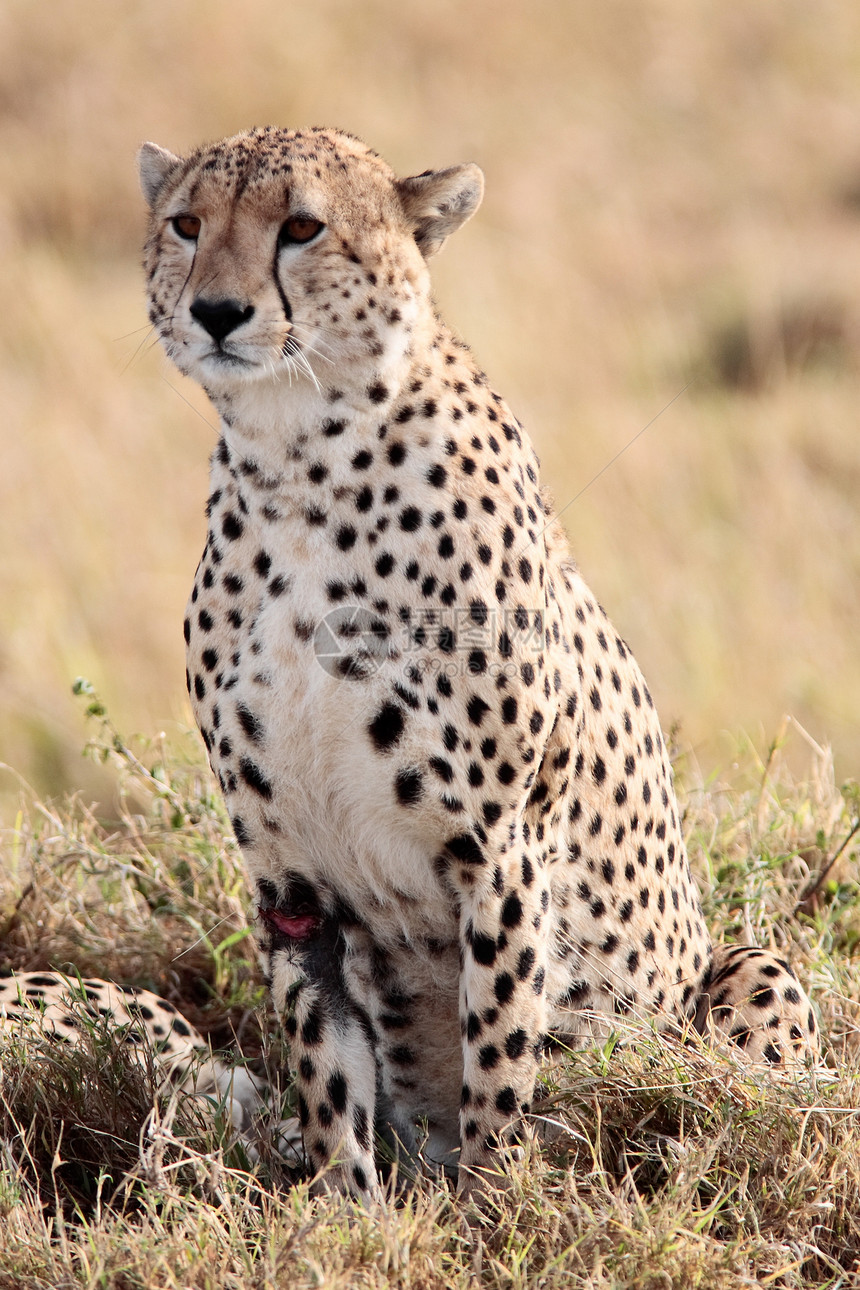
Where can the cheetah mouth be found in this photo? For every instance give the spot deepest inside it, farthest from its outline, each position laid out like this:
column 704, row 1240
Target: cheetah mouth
column 226, row 359
column 296, row 927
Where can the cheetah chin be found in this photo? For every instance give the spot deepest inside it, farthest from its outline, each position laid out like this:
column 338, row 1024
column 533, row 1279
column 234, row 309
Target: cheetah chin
column 441, row 761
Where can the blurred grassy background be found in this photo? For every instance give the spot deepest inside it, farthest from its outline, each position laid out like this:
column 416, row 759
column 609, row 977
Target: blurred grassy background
column 673, row 196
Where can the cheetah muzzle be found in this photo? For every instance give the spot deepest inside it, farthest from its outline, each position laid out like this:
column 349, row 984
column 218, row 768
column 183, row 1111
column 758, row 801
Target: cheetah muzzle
column 460, row 822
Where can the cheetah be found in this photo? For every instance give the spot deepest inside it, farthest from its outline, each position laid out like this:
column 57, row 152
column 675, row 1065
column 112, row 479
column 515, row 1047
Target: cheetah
column 440, row 760
column 52, row 1006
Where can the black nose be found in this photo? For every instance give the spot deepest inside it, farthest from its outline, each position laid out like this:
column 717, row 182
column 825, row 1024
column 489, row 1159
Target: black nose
column 220, row 317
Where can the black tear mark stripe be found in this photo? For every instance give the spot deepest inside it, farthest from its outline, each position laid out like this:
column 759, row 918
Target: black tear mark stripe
column 285, row 304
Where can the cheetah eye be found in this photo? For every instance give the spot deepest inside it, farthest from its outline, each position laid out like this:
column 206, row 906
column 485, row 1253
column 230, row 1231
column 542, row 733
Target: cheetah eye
column 298, row 229
column 187, row 226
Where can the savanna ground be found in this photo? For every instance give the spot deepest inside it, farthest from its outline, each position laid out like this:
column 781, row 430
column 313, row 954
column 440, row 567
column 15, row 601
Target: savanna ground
column 671, row 231
column 657, row 1164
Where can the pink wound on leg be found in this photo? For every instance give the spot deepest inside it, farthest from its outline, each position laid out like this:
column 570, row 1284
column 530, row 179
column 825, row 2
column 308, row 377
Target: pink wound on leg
column 298, row 926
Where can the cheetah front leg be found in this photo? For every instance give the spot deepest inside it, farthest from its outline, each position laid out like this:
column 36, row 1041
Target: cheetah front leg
column 331, row 1046
column 502, row 1012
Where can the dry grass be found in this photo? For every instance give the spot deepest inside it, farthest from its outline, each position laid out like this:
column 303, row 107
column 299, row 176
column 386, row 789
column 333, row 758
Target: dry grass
column 649, row 1165
column 672, row 197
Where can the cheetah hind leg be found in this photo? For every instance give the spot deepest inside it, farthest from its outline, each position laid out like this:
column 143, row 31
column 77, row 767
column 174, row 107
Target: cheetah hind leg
column 755, row 1000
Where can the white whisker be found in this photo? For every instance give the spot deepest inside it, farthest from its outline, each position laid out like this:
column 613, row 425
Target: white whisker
column 317, row 347
column 141, row 348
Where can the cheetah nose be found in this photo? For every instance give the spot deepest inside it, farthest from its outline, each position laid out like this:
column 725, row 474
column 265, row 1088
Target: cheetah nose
column 220, row 317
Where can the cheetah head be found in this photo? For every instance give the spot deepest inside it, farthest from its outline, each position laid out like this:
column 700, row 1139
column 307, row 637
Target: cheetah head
column 283, row 254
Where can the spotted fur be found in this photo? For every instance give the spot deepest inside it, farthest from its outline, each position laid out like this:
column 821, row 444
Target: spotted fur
column 36, row 1006
column 441, row 761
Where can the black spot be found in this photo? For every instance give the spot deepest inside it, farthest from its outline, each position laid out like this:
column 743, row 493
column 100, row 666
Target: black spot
column 255, row 778
column 483, row 949
column 243, row 837
column 515, row 1044
column 509, row 710
column 506, row 1101
column 762, row 998
column 504, row 987
column 442, row 768
column 337, row 1091
column 231, row 526
column 512, row 911
column 491, row 812
column 409, row 697
column 409, row 786
column 402, row 1055
column 464, row 847
column 312, row 1028
column 387, row 726
column 477, row 709
column 250, row 723
column 525, row 963
column 410, row 519
column 346, row 537
column 437, row 475
column 361, row 1126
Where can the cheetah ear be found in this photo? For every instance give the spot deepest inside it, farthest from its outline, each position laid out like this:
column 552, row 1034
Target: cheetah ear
column 154, row 166
column 439, row 201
